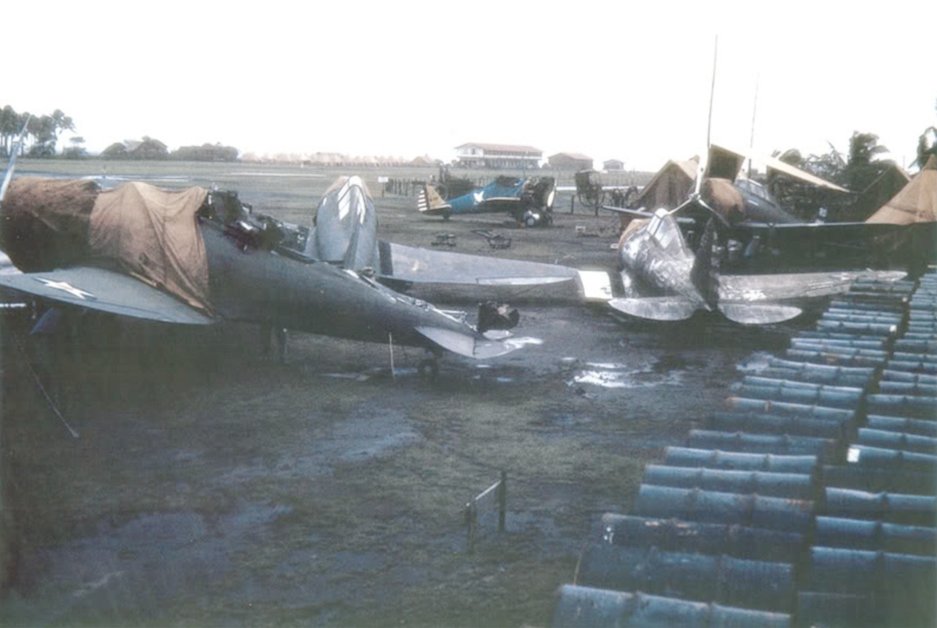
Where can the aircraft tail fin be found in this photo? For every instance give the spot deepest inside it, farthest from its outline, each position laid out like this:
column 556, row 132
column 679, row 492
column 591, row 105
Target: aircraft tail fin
column 429, row 202
column 758, row 313
column 704, row 273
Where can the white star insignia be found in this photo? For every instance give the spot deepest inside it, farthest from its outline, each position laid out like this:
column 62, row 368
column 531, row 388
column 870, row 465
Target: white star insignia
column 64, row 286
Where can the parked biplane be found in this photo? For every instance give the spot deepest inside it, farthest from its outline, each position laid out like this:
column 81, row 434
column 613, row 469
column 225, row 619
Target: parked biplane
column 528, row 200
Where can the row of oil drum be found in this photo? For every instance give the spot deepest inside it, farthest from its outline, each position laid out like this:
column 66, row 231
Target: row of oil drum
column 810, row 500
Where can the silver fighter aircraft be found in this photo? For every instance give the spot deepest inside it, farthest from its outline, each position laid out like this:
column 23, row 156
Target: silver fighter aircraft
column 663, row 280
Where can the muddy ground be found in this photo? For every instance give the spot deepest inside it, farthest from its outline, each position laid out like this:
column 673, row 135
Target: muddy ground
column 211, row 484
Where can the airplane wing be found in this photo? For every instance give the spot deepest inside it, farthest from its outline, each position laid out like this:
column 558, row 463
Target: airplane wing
column 671, row 308
column 106, row 291
column 779, row 287
column 416, row 265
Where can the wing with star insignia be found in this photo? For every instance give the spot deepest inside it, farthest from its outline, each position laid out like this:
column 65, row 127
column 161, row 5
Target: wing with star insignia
column 106, row 291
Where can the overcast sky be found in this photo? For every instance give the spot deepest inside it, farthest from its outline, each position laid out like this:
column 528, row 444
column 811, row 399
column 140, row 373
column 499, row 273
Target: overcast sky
column 608, row 79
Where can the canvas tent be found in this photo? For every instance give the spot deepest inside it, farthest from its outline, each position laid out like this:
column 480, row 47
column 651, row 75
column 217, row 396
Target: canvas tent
column 915, row 203
column 149, row 233
column 670, row 186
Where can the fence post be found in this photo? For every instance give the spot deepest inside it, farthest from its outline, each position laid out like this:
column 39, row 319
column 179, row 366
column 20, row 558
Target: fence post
column 502, row 500
column 471, row 522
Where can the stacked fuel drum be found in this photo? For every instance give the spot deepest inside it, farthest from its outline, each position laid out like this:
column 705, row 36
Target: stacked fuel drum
column 809, row 501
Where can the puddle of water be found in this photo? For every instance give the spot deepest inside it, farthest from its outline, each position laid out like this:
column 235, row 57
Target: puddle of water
column 615, row 375
column 755, row 363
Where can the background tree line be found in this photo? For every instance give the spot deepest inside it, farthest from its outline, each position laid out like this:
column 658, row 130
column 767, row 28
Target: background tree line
column 43, row 132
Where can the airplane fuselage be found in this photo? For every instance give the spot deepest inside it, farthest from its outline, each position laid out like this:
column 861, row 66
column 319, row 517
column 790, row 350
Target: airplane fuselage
column 662, row 266
column 257, row 285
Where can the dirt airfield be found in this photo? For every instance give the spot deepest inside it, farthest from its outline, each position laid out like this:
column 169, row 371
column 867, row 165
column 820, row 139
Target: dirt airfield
column 211, row 484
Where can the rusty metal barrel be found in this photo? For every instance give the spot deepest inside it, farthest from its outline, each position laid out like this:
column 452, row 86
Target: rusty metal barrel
column 784, row 408
column 715, row 459
column 910, row 406
column 702, row 538
column 799, row 392
column 759, row 585
column 912, row 345
column 773, row 424
column 772, row 513
column 857, row 377
column 875, row 536
column 837, row 609
column 896, row 460
column 891, row 507
column 842, row 304
column 887, row 387
column 863, row 316
column 841, row 357
column 790, row 485
column 913, row 365
column 786, row 444
column 860, row 327
column 880, row 479
column 897, row 440
column 588, row 607
column 910, row 377
column 904, row 356
column 820, row 343
column 902, row 585
column 922, row 427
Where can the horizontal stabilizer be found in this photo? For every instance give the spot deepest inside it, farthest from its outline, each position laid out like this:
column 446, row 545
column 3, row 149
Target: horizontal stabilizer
column 470, row 346
column 656, row 308
column 596, row 285
column 429, row 202
column 106, row 291
column 417, row 265
column 758, row 313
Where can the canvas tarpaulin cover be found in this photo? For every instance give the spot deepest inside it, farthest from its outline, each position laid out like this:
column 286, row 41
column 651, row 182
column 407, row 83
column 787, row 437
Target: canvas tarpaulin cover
column 149, row 233
column 45, row 222
column 153, row 235
column 915, row 203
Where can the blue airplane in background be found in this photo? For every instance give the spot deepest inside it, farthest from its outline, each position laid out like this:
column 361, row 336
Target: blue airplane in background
column 529, row 200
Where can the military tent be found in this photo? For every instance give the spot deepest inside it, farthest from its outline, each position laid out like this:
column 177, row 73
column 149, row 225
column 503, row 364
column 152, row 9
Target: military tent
column 915, row 203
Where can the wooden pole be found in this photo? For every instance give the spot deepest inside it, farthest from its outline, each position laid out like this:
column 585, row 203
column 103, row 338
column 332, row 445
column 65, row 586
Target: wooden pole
column 502, row 500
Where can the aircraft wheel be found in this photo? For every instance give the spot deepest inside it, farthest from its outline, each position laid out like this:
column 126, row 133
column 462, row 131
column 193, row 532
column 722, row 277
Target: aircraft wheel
column 531, row 220
column 446, row 215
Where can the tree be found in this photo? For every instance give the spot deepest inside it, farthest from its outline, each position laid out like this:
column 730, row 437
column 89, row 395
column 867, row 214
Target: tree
column 926, row 144
column 77, row 149
column 42, row 129
column 9, row 127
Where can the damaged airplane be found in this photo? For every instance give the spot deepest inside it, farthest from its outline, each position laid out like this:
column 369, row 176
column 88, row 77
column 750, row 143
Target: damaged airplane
column 198, row 257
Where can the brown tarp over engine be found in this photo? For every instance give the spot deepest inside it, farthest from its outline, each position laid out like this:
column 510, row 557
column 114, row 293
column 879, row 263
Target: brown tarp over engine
column 153, row 235
column 45, row 222
column 150, row 233
column 915, row 203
